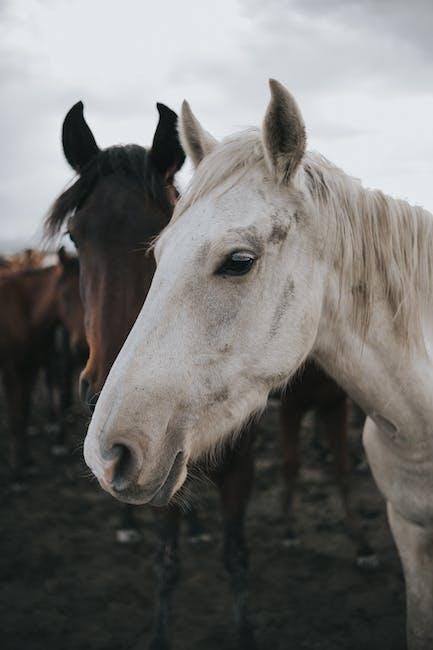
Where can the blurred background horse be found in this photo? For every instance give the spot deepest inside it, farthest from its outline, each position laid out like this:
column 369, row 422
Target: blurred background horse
column 36, row 302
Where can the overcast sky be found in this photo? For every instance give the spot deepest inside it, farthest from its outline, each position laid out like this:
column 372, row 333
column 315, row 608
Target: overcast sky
column 362, row 71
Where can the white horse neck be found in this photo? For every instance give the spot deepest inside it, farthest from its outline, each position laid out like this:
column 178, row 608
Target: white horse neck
column 378, row 301
column 393, row 385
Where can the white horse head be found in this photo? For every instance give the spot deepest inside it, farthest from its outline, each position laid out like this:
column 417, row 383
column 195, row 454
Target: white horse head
column 251, row 263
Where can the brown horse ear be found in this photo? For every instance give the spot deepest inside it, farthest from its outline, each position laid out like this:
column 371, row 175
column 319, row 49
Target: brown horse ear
column 63, row 256
column 79, row 145
column 166, row 152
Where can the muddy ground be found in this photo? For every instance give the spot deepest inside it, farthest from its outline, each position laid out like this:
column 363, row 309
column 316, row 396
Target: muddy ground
column 67, row 585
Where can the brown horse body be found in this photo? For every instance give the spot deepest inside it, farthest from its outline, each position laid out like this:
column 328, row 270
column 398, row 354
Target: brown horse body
column 122, row 198
column 314, row 390
column 34, row 303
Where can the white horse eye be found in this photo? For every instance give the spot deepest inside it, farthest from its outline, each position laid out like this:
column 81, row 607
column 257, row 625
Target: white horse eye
column 238, row 263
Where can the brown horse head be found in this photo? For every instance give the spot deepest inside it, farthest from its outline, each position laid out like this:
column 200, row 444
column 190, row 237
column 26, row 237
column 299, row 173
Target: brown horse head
column 69, row 304
column 123, row 197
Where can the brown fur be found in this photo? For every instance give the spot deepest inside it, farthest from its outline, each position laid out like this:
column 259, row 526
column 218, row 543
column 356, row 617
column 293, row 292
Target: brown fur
column 33, row 304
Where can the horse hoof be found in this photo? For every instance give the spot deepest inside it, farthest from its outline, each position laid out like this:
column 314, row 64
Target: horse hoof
column 247, row 640
column 199, row 538
column 30, row 470
column 159, row 644
column 128, row 536
column 59, row 450
column 368, row 562
column 291, row 541
column 18, row 487
column 362, row 467
column 52, row 428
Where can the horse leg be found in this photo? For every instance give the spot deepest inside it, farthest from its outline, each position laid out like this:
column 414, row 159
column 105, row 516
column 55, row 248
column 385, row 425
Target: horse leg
column 128, row 531
column 65, row 377
column 335, row 422
column 18, row 384
column 290, row 416
column 235, row 480
column 196, row 531
column 415, row 546
column 49, row 373
column 167, row 573
column 357, row 419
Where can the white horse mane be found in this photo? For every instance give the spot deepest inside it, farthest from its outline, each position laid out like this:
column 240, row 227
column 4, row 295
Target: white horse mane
column 381, row 242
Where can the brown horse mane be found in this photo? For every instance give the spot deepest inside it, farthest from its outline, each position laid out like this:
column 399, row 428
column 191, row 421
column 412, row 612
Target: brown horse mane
column 131, row 161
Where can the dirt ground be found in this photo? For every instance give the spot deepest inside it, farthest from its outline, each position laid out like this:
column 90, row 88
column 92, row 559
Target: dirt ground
column 67, row 585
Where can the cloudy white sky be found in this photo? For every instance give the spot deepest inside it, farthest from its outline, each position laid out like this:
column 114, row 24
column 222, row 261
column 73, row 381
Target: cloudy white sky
column 362, row 71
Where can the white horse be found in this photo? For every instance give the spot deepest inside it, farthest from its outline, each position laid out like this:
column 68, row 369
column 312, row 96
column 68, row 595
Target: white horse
column 274, row 254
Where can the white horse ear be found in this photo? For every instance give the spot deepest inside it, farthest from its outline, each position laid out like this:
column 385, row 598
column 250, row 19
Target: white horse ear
column 284, row 137
column 197, row 142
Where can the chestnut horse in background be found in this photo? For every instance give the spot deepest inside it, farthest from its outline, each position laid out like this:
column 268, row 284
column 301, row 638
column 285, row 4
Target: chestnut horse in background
column 122, row 199
column 34, row 302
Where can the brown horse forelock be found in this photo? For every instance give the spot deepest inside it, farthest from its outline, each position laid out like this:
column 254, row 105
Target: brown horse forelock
column 119, row 210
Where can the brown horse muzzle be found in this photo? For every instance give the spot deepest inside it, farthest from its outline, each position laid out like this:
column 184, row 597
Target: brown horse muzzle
column 88, row 395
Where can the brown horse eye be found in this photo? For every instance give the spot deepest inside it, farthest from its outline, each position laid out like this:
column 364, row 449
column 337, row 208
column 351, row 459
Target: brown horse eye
column 239, row 263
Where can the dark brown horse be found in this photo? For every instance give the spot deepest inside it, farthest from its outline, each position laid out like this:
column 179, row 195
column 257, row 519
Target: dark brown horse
column 34, row 303
column 122, row 199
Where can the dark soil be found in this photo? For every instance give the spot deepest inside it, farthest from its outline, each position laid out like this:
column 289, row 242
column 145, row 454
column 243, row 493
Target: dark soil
column 67, row 585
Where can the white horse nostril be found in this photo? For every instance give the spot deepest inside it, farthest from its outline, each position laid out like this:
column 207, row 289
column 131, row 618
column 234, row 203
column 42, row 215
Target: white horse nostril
column 109, row 471
column 121, row 466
